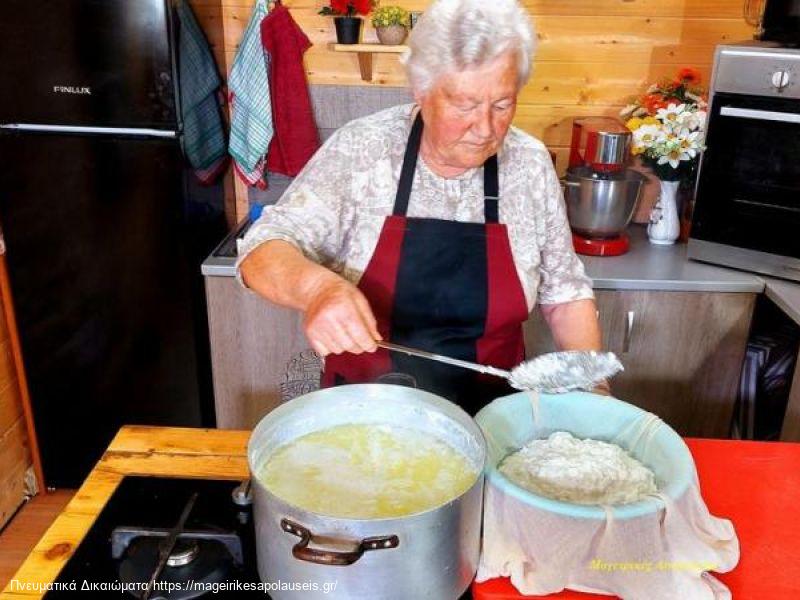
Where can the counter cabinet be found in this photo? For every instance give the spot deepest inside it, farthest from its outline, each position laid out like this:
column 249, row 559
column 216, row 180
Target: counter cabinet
column 682, row 352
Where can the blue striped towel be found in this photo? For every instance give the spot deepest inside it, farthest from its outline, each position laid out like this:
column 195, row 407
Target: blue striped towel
column 203, row 135
column 251, row 119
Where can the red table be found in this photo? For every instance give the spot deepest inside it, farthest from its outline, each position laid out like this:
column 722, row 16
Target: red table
column 757, row 486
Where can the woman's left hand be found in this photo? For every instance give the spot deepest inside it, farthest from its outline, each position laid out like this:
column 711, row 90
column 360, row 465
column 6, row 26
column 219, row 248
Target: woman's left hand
column 603, row 388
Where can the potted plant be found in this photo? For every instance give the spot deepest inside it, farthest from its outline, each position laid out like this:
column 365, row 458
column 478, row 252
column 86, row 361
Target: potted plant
column 391, row 24
column 348, row 24
column 668, row 125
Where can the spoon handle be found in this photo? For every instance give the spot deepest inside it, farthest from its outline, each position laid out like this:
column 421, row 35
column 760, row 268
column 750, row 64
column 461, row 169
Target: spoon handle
column 445, row 359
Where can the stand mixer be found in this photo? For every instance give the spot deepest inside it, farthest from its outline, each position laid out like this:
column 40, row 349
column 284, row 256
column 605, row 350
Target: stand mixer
column 600, row 190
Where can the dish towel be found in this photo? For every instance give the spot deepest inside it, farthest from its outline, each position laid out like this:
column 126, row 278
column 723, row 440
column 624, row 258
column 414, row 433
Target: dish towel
column 203, row 137
column 251, row 113
column 296, row 138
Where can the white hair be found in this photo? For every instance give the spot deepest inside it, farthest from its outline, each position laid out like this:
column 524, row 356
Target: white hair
column 453, row 35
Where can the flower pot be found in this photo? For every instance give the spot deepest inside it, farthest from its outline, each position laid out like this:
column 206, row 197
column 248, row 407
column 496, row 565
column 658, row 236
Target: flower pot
column 664, row 227
column 393, row 35
column 348, row 29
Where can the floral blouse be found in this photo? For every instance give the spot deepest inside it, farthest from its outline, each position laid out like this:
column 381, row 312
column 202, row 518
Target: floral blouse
column 334, row 209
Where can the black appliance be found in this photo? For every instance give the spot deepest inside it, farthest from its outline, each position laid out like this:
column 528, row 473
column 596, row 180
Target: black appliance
column 747, row 212
column 780, row 21
column 104, row 233
column 213, row 553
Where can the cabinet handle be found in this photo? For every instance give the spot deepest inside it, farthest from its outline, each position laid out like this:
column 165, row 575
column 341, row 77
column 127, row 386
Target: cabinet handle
column 626, row 344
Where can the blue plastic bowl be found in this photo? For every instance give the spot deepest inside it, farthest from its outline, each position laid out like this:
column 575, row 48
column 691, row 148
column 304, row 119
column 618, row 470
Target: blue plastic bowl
column 507, row 424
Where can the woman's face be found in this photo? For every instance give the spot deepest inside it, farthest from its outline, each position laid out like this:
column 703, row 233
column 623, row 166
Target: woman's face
column 467, row 114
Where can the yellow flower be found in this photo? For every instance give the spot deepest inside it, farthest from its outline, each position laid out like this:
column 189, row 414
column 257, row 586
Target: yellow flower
column 636, row 150
column 386, row 16
column 634, row 123
column 650, row 121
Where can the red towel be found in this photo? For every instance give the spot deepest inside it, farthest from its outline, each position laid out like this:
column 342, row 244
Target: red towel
column 295, row 138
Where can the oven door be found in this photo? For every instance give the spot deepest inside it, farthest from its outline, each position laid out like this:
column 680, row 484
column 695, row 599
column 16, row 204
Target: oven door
column 748, row 193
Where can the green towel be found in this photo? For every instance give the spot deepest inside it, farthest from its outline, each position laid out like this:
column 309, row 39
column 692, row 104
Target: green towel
column 203, row 134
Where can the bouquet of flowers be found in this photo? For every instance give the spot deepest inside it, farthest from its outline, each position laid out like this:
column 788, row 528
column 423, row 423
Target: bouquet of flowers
column 347, row 8
column 668, row 125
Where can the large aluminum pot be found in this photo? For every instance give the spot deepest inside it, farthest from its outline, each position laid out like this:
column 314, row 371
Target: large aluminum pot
column 601, row 207
column 433, row 554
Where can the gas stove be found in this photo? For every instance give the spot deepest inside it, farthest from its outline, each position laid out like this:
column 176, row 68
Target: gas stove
column 167, row 538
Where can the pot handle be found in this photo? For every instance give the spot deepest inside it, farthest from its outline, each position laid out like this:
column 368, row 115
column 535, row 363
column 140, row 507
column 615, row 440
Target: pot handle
column 565, row 183
column 301, row 551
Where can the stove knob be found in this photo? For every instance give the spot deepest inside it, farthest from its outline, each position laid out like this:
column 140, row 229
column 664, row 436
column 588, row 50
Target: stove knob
column 780, row 79
column 242, row 494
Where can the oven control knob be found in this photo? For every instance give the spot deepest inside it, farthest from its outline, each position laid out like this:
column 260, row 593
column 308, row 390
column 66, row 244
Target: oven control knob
column 780, row 79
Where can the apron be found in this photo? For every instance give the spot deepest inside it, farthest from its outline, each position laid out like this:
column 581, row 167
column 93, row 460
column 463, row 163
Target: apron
column 446, row 287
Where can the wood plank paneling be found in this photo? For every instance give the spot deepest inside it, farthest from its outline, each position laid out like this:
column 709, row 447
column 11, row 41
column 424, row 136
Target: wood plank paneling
column 15, row 457
column 593, row 55
column 14, row 461
column 21, row 535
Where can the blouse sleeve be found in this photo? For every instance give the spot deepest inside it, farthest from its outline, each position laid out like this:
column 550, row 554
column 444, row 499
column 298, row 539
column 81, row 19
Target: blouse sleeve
column 308, row 214
column 563, row 278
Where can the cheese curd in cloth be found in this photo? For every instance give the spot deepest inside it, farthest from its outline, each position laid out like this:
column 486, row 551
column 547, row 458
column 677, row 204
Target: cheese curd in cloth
column 588, row 471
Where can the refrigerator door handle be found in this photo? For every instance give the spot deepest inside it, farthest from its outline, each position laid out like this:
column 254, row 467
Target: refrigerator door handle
column 137, row 131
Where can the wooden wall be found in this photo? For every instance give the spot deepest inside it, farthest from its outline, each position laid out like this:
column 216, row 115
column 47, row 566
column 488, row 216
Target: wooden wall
column 593, row 54
column 15, row 456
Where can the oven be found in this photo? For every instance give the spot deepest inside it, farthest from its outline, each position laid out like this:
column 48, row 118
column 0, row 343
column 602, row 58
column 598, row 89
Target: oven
column 747, row 210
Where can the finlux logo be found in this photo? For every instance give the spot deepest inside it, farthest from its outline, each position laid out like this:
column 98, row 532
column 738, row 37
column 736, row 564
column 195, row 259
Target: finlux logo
column 69, row 89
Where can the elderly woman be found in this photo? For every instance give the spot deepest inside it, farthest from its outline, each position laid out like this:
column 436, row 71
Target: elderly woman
column 435, row 225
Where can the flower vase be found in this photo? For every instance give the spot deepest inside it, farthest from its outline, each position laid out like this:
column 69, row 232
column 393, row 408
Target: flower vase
column 664, row 227
column 393, row 35
column 348, row 29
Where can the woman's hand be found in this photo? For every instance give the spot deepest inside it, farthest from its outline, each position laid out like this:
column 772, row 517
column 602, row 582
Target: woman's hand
column 602, row 387
column 338, row 319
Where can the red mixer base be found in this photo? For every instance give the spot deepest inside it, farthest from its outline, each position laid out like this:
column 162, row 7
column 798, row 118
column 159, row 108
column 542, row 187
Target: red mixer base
column 605, row 247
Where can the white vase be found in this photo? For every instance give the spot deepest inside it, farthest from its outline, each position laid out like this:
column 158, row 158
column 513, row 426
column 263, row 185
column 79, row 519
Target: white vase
column 665, row 227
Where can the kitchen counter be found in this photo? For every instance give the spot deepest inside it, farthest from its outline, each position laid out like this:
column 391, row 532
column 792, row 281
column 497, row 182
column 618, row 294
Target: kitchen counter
column 786, row 295
column 749, row 482
column 136, row 450
column 650, row 267
column 645, row 267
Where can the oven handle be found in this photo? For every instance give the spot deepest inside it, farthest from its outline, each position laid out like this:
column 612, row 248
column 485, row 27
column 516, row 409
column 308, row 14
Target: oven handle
column 763, row 115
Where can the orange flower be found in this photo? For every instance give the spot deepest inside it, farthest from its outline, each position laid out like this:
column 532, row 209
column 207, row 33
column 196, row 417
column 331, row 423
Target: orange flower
column 689, row 75
column 652, row 102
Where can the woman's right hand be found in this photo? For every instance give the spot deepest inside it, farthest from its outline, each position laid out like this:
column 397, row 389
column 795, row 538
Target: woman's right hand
column 338, row 319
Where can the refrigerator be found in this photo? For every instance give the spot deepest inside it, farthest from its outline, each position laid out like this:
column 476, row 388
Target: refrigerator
column 103, row 229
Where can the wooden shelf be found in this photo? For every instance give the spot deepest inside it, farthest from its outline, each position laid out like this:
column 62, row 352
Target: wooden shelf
column 365, row 52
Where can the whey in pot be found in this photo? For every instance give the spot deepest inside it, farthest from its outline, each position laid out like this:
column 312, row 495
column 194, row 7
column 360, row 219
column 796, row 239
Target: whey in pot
column 367, row 471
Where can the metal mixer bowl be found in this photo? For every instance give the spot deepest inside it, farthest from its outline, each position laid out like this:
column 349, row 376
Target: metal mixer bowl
column 601, row 206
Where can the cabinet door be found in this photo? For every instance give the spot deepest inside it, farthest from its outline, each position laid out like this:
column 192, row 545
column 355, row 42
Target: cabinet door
column 252, row 341
column 682, row 353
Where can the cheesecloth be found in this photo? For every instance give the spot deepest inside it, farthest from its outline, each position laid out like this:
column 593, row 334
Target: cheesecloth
column 662, row 547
